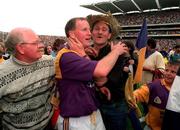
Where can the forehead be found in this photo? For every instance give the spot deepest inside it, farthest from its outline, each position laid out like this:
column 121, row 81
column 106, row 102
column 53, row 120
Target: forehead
column 81, row 23
column 29, row 35
column 101, row 23
column 172, row 66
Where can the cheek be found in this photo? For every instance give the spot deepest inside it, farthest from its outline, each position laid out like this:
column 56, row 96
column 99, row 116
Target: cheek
column 94, row 33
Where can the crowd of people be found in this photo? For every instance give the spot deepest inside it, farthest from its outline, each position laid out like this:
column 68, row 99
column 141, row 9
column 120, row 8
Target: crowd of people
column 160, row 17
column 83, row 76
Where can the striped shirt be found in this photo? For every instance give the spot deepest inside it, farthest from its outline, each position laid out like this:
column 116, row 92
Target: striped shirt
column 25, row 93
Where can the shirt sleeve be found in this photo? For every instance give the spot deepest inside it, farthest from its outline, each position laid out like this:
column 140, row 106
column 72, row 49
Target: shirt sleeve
column 75, row 67
column 142, row 94
column 160, row 64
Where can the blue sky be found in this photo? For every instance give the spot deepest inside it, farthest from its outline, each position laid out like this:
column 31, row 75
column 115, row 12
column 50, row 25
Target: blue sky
column 46, row 17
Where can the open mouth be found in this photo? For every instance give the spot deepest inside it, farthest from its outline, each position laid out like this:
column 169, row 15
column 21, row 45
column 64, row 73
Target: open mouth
column 88, row 39
column 99, row 37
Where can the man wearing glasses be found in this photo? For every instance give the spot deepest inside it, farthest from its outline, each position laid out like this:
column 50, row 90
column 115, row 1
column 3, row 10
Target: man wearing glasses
column 25, row 87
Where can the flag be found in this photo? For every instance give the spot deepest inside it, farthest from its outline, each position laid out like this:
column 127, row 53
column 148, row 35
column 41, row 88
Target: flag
column 141, row 46
column 135, row 113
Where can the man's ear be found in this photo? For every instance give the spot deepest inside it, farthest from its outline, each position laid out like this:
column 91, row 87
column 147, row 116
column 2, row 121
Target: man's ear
column 19, row 49
column 109, row 36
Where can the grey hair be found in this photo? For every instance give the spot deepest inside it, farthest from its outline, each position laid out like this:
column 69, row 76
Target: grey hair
column 14, row 37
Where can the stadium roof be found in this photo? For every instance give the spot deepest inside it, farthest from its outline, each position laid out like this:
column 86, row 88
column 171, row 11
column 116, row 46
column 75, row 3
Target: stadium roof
column 133, row 6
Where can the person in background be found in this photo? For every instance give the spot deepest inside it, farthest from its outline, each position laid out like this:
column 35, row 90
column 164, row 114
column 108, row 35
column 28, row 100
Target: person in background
column 154, row 62
column 164, row 53
column 2, row 51
column 176, row 55
column 48, row 50
column 132, row 62
column 76, row 77
column 25, row 83
column 104, row 30
column 57, row 45
column 171, row 52
column 155, row 95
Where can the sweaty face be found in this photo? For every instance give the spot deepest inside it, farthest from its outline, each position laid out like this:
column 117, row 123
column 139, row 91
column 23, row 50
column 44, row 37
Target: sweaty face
column 170, row 73
column 31, row 48
column 101, row 33
column 82, row 32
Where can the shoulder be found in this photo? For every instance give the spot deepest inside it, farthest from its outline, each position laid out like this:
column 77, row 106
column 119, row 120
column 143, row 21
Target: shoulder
column 6, row 65
column 157, row 53
column 47, row 57
column 154, row 83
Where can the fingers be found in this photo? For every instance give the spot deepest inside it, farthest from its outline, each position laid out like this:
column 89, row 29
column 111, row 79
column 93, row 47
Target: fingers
column 106, row 92
column 109, row 95
column 121, row 48
column 91, row 51
column 70, row 41
column 131, row 103
column 74, row 40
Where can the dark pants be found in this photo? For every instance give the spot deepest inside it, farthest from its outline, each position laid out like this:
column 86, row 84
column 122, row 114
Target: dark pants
column 171, row 120
column 114, row 116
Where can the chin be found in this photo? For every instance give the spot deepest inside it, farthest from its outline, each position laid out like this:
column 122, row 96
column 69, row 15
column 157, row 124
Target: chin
column 38, row 57
column 168, row 81
column 86, row 45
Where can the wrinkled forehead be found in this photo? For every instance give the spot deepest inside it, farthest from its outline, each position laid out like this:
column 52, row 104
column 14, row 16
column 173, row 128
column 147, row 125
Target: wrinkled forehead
column 101, row 22
column 30, row 36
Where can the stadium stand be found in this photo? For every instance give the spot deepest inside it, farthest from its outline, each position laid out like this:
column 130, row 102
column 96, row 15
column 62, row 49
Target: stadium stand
column 163, row 18
column 46, row 39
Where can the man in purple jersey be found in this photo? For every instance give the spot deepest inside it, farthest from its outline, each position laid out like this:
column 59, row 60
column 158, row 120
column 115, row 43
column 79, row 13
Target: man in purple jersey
column 76, row 74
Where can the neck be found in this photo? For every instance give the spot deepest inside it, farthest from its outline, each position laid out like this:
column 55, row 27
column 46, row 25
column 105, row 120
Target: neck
column 24, row 59
column 98, row 47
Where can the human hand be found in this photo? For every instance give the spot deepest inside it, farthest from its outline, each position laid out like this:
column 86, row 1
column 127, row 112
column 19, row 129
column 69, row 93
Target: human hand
column 132, row 103
column 106, row 92
column 131, row 62
column 120, row 47
column 100, row 81
column 90, row 51
column 76, row 46
column 126, row 69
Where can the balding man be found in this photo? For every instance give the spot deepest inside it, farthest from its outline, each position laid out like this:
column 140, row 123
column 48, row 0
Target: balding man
column 25, row 87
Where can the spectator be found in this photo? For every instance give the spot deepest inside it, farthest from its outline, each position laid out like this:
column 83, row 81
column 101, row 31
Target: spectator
column 155, row 95
column 154, row 61
column 176, row 55
column 2, row 50
column 48, row 50
column 25, row 83
column 114, row 111
column 57, row 45
column 172, row 113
